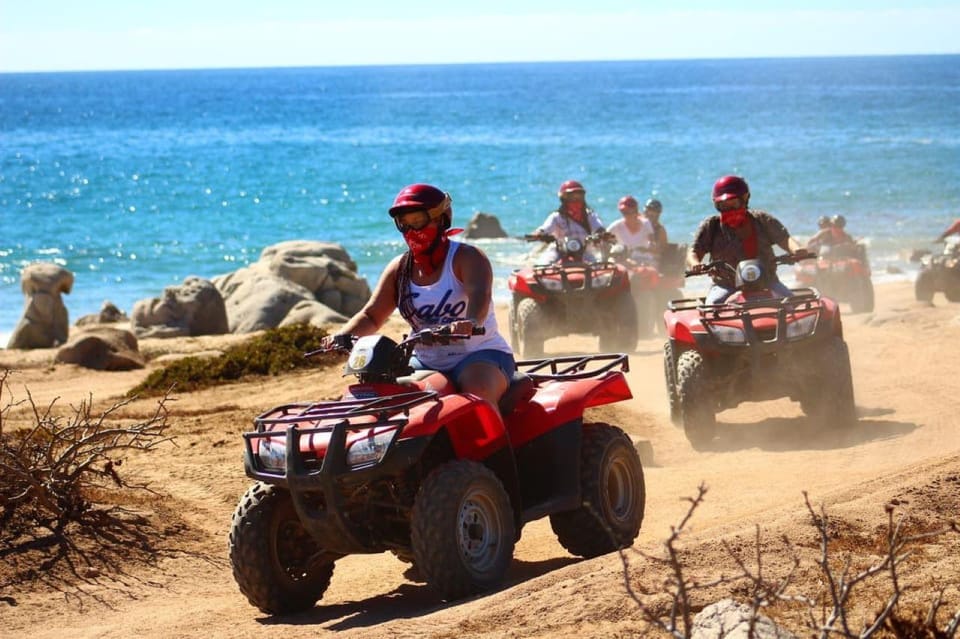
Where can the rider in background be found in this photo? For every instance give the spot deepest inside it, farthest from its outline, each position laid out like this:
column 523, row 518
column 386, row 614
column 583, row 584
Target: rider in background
column 843, row 243
column 634, row 232
column 652, row 210
column 572, row 219
column 840, row 236
column 438, row 282
column 824, row 234
column 738, row 233
column 951, row 230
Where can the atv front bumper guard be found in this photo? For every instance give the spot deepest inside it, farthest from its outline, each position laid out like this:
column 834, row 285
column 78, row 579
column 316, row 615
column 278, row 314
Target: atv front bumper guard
column 717, row 319
column 329, row 474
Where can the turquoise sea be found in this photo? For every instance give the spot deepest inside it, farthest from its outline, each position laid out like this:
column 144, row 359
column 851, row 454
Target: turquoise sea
column 135, row 180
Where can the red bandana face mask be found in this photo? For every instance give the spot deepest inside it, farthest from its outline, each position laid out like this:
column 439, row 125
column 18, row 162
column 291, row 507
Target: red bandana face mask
column 421, row 242
column 734, row 217
column 575, row 210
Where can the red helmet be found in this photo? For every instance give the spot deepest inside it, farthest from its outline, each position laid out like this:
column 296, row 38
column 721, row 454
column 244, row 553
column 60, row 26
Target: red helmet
column 628, row 202
column 729, row 187
column 423, row 197
column 570, row 186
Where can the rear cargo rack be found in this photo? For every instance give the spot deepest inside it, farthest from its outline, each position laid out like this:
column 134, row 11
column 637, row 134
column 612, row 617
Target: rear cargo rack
column 572, row 367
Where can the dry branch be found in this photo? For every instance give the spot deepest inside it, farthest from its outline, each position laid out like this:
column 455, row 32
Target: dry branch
column 50, row 470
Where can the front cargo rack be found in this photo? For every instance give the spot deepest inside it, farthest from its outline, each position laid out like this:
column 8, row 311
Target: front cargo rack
column 804, row 297
column 384, row 408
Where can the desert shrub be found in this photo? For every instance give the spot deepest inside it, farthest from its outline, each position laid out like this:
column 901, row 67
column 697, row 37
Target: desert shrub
column 52, row 471
column 273, row 352
column 824, row 610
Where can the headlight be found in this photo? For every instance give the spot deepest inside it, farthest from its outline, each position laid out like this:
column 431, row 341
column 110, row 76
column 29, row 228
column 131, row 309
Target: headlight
column 728, row 334
column 801, row 327
column 750, row 272
column 602, row 280
column 552, row 284
column 272, row 455
column 370, row 449
column 573, row 245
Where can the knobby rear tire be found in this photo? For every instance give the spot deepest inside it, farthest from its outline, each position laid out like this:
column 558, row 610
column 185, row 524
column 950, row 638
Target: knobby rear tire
column 613, row 495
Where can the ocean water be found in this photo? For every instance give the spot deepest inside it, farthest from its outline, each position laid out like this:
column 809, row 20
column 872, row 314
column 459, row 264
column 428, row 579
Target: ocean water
column 136, row 180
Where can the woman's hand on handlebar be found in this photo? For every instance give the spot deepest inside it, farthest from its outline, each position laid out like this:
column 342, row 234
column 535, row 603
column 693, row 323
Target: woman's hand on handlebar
column 463, row 327
column 337, row 342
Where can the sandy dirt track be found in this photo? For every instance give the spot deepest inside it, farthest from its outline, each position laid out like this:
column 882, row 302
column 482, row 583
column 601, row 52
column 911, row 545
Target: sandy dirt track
column 905, row 449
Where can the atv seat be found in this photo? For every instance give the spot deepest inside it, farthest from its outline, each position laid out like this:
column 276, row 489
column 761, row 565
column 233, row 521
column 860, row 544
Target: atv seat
column 522, row 388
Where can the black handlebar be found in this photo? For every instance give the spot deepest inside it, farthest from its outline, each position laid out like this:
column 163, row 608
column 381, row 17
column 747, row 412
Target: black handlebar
column 598, row 236
column 784, row 258
column 343, row 342
column 539, row 237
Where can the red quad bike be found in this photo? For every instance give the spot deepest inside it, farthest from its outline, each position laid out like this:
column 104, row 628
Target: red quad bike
column 939, row 273
column 572, row 295
column 652, row 286
column 841, row 272
column 445, row 480
column 755, row 347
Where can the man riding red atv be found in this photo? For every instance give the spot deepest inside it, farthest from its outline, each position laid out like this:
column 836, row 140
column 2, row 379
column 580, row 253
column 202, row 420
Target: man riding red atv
column 751, row 338
column 403, row 462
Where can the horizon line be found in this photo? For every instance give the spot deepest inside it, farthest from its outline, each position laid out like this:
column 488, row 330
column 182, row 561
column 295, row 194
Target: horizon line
column 478, row 63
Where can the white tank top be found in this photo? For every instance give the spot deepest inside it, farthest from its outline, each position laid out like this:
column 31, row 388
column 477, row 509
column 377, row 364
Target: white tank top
column 443, row 302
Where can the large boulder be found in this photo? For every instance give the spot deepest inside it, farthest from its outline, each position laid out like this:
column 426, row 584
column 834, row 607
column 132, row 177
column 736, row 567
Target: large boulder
column 316, row 281
column 195, row 307
column 484, row 226
column 257, row 299
column 102, row 348
column 321, row 267
column 45, row 322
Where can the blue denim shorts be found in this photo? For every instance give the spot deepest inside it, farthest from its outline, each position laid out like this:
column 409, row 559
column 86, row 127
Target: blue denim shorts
column 502, row 360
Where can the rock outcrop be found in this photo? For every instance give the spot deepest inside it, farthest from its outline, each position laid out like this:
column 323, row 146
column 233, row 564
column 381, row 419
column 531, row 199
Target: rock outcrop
column 45, row 322
column 102, row 348
column 192, row 308
column 299, row 281
column 484, row 226
column 109, row 314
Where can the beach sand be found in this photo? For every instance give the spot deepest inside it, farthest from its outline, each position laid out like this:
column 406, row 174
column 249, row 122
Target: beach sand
column 905, row 451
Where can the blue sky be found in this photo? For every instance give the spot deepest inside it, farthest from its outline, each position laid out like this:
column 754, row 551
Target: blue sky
column 48, row 35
